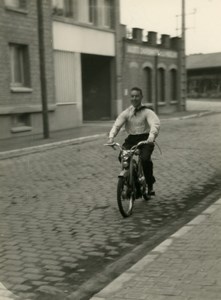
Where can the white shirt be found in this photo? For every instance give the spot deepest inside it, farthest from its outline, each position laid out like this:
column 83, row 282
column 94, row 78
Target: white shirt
column 143, row 121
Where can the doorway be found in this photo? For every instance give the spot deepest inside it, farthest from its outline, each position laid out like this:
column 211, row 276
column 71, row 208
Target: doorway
column 96, row 87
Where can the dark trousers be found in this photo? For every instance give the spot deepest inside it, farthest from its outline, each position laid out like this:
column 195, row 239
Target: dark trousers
column 145, row 154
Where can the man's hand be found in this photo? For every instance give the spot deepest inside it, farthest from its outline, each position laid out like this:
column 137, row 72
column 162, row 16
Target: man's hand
column 110, row 141
column 150, row 140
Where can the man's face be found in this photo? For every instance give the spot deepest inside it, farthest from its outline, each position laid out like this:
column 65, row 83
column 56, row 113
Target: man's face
column 135, row 98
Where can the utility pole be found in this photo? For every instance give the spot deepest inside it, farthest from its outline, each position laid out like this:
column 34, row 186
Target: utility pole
column 183, row 59
column 42, row 68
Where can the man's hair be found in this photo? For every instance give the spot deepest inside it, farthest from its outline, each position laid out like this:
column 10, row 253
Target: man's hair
column 135, row 88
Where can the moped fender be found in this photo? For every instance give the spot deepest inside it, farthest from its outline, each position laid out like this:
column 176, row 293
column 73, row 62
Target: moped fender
column 123, row 173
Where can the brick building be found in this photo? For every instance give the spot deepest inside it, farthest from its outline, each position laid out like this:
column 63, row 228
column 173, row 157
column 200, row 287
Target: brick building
column 20, row 86
column 153, row 66
column 79, row 56
column 204, row 76
column 75, row 56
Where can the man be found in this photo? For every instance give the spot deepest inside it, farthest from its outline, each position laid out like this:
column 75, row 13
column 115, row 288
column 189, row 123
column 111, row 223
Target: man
column 141, row 124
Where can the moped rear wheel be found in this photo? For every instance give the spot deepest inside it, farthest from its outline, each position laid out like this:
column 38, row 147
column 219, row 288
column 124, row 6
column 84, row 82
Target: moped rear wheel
column 125, row 197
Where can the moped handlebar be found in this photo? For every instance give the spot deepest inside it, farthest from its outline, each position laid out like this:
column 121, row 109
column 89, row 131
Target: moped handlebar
column 134, row 148
column 113, row 146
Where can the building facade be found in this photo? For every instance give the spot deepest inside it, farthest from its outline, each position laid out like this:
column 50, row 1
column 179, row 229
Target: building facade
column 20, row 85
column 79, row 57
column 84, row 40
column 72, row 61
column 204, row 76
column 153, row 66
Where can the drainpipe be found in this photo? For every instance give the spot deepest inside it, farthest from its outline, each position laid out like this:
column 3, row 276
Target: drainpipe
column 156, row 82
column 42, row 68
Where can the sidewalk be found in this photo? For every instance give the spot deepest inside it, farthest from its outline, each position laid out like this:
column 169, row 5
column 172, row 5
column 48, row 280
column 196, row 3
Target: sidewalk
column 89, row 130
column 186, row 266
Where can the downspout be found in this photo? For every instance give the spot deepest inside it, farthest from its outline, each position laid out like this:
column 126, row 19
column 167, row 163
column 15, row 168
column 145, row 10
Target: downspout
column 42, row 69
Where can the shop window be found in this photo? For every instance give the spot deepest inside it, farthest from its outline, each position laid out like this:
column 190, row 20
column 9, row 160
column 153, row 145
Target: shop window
column 20, row 75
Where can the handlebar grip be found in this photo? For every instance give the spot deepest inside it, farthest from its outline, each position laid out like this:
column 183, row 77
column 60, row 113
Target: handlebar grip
column 111, row 145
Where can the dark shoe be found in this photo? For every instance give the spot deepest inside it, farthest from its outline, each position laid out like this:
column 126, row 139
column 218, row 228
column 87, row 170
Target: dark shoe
column 146, row 196
column 151, row 193
column 138, row 194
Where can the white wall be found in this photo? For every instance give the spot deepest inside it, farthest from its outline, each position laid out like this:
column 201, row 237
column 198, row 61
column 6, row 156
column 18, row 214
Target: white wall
column 79, row 39
column 209, row 104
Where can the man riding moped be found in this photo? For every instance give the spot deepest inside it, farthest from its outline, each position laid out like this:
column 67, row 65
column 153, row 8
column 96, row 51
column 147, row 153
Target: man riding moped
column 142, row 125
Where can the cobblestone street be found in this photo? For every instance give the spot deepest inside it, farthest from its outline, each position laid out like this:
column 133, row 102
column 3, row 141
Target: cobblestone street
column 59, row 221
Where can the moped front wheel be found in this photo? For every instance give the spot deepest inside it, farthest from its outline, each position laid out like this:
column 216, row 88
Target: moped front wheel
column 125, row 197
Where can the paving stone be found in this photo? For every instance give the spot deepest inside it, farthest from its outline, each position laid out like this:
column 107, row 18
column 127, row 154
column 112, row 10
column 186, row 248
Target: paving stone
column 22, row 287
column 16, row 280
column 49, row 289
column 53, row 278
column 31, row 276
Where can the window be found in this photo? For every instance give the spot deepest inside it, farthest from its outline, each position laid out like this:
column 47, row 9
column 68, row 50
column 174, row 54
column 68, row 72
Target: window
column 65, row 8
column 21, row 123
column 96, row 12
column 161, row 85
column 92, row 11
column 83, row 11
column 20, row 76
column 15, row 3
column 107, row 13
column 173, row 85
column 147, row 76
column 19, row 120
column 104, row 13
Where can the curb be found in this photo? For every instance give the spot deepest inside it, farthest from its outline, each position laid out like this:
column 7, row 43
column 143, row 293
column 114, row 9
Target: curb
column 196, row 115
column 49, row 146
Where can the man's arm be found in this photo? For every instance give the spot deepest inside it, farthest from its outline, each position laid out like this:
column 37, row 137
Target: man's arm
column 120, row 121
column 154, row 124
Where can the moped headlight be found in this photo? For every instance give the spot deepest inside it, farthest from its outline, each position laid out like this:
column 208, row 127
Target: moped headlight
column 125, row 164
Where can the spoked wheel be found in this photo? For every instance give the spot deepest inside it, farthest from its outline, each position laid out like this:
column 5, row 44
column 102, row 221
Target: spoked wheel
column 125, row 198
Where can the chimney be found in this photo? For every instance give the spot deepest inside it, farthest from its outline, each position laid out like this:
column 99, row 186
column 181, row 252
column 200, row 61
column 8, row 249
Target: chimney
column 152, row 38
column 165, row 41
column 175, row 43
column 123, row 31
column 137, row 35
